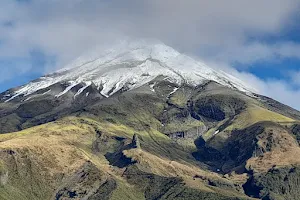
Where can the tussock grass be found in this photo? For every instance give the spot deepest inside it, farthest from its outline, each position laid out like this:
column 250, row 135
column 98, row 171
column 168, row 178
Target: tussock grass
column 51, row 152
column 255, row 114
column 283, row 150
column 168, row 168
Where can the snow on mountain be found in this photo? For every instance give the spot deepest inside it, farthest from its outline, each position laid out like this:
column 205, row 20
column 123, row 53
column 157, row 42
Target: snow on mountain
column 131, row 64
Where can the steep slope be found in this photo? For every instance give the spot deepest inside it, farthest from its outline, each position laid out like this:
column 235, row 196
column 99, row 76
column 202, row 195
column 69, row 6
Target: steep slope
column 141, row 121
column 69, row 159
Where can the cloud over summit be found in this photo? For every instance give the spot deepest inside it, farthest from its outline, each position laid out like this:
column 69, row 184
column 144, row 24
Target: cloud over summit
column 219, row 31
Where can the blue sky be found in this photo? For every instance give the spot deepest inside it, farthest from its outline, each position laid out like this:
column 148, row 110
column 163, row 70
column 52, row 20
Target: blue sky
column 277, row 68
column 18, row 71
column 257, row 41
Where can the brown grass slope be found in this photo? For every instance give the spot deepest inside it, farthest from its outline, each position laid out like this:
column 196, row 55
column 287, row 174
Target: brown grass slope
column 66, row 159
column 232, row 145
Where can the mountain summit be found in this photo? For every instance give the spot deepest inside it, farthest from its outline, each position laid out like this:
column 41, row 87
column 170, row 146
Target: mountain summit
column 129, row 65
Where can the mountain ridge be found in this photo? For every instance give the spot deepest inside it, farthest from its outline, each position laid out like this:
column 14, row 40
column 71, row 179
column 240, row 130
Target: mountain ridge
column 129, row 65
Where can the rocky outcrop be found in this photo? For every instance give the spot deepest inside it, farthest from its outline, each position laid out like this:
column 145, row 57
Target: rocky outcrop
column 218, row 107
column 276, row 184
column 295, row 129
column 249, row 149
column 192, row 133
column 136, row 142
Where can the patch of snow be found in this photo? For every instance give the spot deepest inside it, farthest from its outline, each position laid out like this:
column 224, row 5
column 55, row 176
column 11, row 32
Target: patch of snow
column 38, row 95
column 175, row 89
column 28, row 99
column 126, row 64
column 82, row 89
column 73, row 84
column 216, row 132
column 46, row 92
column 152, row 87
column 16, row 95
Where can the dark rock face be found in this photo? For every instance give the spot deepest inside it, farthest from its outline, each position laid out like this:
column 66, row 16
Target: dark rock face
column 218, row 107
column 211, row 111
column 193, row 133
column 242, row 145
column 238, row 148
column 32, row 109
column 210, row 156
column 10, row 123
column 136, row 142
column 295, row 129
column 276, row 184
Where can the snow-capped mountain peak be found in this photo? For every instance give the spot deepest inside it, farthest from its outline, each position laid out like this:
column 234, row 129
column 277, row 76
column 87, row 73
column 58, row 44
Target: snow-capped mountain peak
column 130, row 64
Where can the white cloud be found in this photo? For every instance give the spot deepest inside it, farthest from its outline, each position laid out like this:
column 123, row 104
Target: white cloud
column 255, row 52
column 215, row 30
column 294, row 77
column 216, row 27
column 280, row 90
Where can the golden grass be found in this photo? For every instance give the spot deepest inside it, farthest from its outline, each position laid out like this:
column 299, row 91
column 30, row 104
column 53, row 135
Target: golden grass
column 254, row 114
column 166, row 167
column 62, row 147
column 67, row 142
column 52, row 152
column 274, row 158
column 285, row 152
column 67, row 125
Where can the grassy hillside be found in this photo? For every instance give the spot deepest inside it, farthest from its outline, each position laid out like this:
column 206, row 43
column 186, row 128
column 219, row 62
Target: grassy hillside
column 179, row 142
column 69, row 158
